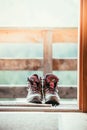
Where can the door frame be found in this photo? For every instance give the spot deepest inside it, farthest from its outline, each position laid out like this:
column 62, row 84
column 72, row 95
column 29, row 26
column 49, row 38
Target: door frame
column 83, row 59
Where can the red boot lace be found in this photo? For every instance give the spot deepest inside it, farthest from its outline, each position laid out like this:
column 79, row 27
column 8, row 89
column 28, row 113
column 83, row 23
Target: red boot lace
column 51, row 84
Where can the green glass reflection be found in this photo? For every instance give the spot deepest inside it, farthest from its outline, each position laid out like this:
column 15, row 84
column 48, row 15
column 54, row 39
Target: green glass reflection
column 64, row 50
column 21, row 50
column 67, row 77
column 16, row 77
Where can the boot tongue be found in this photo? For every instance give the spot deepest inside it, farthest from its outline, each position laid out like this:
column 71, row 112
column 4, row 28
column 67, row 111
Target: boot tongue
column 52, row 80
column 34, row 78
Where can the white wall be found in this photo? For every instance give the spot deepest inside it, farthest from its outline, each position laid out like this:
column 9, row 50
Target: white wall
column 39, row 13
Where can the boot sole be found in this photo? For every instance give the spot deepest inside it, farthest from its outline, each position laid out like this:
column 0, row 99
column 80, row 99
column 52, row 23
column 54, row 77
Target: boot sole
column 36, row 101
column 54, row 103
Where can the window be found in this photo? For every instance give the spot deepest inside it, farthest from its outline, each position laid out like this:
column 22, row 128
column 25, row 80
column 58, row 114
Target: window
column 27, row 31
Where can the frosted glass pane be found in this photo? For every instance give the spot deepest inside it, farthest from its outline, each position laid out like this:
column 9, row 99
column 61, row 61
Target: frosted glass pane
column 67, row 77
column 39, row 13
column 64, row 50
column 21, row 50
column 16, row 77
column 20, row 77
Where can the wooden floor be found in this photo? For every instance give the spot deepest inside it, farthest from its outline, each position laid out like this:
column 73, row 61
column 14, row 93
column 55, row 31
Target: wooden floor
column 43, row 121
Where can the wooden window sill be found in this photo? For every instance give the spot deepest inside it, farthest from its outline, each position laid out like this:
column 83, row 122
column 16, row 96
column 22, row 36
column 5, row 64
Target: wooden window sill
column 65, row 106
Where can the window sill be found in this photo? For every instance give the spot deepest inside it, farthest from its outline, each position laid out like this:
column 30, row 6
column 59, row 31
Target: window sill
column 65, row 106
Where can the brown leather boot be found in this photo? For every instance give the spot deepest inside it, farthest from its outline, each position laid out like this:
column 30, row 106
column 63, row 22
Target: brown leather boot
column 51, row 89
column 34, row 89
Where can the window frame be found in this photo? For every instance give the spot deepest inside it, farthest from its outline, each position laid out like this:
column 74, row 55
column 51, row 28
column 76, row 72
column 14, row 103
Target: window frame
column 83, row 59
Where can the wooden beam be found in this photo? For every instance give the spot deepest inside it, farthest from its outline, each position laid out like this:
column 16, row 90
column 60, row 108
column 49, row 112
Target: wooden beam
column 68, row 92
column 65, row 64
column 21, row 64
column 17, row 35
column 65, row 35
column 23, row 35
column 37, row 64
column 47, row 48
column 21, row 92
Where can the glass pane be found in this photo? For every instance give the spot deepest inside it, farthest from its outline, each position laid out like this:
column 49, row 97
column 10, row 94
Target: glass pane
column 64, row 50
column 39, row 13
column 16, row 77
column 21, row 50
column 20, row 77
column 67, row 77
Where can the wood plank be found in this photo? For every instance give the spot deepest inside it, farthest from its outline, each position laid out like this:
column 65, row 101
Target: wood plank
column 83, row 54
column 65, row 35
column 21, row 92
column 37, row 64
column 47, row 48
column 17, row 35
column 65, row 64
column 68, row 92
column 24, row 35
column 21, row 64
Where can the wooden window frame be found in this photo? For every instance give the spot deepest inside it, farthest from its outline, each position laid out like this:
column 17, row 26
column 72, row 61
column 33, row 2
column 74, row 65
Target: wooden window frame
column 83, row 57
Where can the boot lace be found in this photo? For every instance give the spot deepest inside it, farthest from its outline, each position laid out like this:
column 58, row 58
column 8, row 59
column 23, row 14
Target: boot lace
column 34, row 85
column 51, row 84
column 51, row 90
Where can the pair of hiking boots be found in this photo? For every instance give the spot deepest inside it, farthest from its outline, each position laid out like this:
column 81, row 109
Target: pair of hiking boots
column 40, row 90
